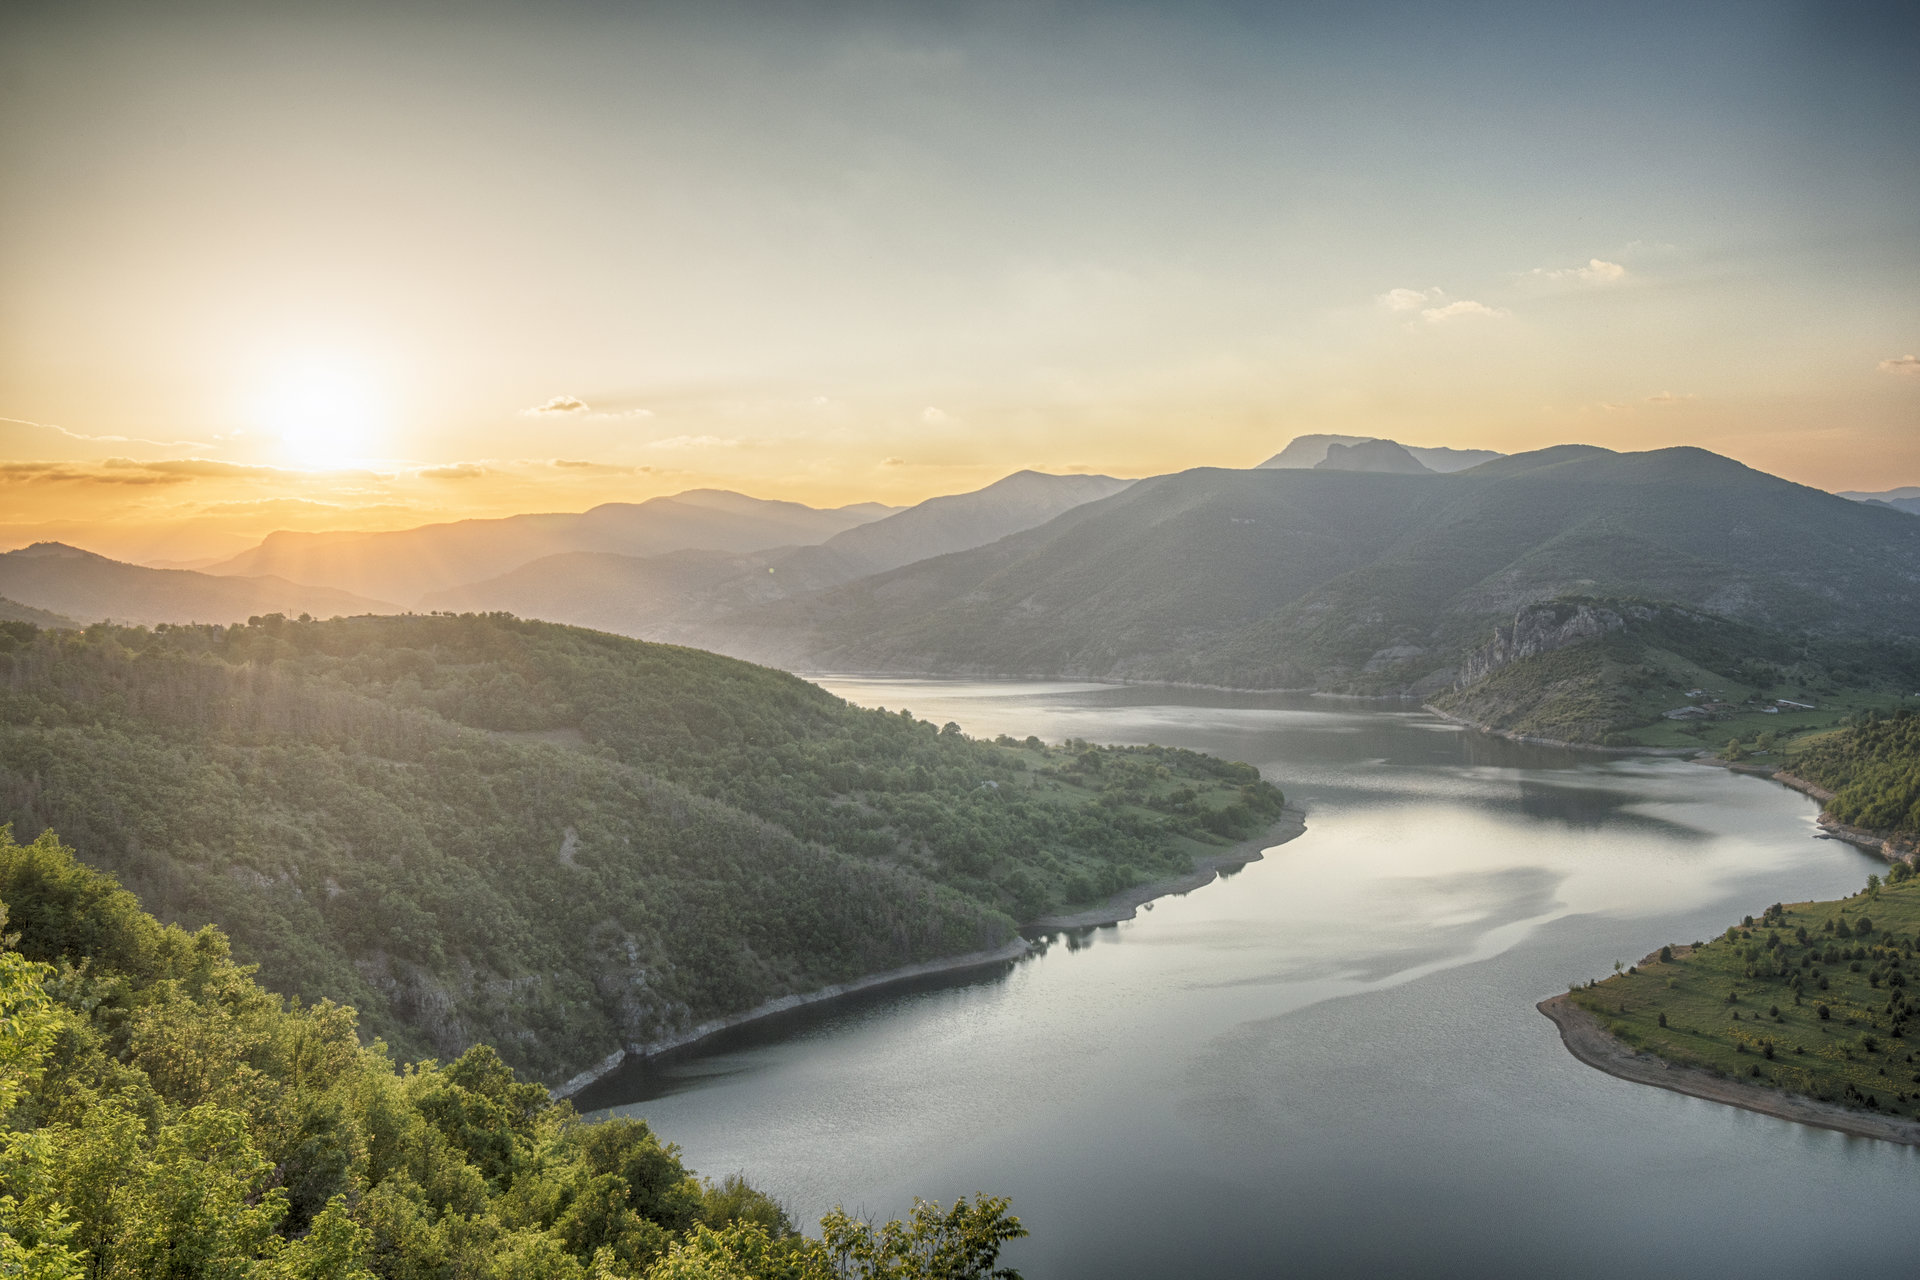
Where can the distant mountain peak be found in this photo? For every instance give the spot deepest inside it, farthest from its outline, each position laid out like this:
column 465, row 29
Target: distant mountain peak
column 1311, row 453
column 1386, row 457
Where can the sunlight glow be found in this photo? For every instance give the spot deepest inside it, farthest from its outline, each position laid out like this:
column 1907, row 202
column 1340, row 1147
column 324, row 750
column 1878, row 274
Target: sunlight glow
column 325, row 412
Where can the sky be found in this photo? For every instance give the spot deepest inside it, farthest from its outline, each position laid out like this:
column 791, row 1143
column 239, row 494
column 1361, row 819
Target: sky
column 365, row 266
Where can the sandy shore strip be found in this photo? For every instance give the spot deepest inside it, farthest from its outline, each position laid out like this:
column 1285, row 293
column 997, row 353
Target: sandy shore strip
column 1127, row 903
column 1122, row 906
column 1589, row 1041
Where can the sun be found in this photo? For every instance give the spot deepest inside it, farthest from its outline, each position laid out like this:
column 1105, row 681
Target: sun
column 325, row 413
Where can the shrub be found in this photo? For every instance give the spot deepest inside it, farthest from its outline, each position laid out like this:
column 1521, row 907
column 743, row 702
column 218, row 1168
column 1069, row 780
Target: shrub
column 1821, row 1012
column 1666, row 954
column 1663, row 1019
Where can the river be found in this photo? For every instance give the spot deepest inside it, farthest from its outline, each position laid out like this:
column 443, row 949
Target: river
column 1329, row 1062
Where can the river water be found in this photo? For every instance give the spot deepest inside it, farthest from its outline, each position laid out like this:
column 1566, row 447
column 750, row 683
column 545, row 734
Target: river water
column 1328, row 1063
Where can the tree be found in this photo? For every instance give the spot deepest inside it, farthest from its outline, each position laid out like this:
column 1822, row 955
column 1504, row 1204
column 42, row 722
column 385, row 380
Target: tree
column 962, row 1243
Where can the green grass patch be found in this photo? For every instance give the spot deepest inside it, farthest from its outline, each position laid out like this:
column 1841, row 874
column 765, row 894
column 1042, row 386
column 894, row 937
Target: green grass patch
column 1749, row 1004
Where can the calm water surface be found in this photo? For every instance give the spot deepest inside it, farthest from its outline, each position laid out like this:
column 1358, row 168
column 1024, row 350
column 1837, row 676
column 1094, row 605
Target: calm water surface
column 1328, row 1063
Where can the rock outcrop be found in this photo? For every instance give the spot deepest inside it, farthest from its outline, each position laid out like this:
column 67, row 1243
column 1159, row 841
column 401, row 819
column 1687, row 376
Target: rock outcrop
column 1538, row 629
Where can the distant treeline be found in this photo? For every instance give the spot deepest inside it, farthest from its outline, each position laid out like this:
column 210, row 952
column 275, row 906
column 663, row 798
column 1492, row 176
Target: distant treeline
column 162, row 1115
column 558, row 841
column 1873, row 770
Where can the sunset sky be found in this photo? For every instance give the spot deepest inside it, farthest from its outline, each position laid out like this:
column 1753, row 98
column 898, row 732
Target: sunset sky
column 362, row 266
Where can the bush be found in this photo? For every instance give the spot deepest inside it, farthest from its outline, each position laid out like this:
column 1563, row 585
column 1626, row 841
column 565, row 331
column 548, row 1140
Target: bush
column 1663, row 1019
column 1821, row 1012
column 1666, row 954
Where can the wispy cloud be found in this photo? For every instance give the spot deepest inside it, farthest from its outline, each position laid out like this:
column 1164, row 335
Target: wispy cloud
column 1596, row 272
column 454, row 471
column 935, row 417
column 1433, row 306
column 1909, row 366
column 559, row 404
column 1668, row 397
column 695, row 442
column 1409, row 299
column 1463, row 308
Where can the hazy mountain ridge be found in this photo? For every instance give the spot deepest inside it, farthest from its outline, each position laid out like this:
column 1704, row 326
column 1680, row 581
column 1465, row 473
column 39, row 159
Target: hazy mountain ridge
column 1285, row 578
column 675, row 595
column 408, row 564
column 64, row 580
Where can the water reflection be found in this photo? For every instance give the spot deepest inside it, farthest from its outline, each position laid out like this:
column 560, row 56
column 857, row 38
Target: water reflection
column 1330, row 1063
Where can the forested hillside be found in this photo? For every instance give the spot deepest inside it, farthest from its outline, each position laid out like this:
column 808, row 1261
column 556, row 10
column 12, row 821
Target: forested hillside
column 1873, row 770
column 165, row 1116
column 559, row 841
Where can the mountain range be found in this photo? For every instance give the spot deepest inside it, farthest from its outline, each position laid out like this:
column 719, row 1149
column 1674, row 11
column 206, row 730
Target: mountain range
column 1905, row 499
column 406, row 565
column 1343, row 563
column 653, row 596
column 54, row 578
column 1362, row 582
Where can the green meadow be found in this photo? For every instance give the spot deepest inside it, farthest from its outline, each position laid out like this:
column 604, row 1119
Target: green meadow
column 1812, row 998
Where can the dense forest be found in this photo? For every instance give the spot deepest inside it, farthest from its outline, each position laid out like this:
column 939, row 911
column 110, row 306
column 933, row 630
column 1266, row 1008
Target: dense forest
column 163, row 1115
column 1873, row 770
column 559, row 841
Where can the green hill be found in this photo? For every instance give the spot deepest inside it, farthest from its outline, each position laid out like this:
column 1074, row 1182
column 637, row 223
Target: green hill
column 1364, row 583
column 1873, row 769
column 165, row 1116
column 559, row 841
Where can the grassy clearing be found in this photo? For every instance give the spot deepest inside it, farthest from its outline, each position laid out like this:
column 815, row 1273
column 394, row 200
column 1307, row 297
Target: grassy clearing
column 1749, row 1003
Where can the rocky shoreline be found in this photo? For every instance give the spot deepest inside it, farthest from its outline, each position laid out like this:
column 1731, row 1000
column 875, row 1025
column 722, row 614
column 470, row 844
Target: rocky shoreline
column 1589, row 1041
column 1122, row 906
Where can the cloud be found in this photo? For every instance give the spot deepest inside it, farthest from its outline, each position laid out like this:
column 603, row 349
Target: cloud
column 196, row 468
column 935, row 417
column 1464, row 307
column 1907, row 365
column 1596, row 272
column 44, row 472
column 454, row 471
column 694, row 442
column 559, row 404
column 893, row 462
column 1409, row 299
column 75, row 435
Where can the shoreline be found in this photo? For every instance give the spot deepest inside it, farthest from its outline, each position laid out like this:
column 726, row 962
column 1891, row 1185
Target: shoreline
column 1121, row 906
column 1126, row 904
column 1534, row 740
column 1589, row 1041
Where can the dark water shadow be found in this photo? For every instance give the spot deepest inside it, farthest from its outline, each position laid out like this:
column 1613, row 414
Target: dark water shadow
column 721, row 1055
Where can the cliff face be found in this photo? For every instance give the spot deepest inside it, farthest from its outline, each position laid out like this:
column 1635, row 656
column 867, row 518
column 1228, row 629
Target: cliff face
column 1539, row 629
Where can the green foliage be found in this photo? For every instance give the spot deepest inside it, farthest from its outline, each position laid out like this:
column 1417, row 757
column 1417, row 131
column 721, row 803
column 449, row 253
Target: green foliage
column 962, row 1243
column 1838, row 1025
column 1873, row 769
column 554, row 840
column 165, row 1116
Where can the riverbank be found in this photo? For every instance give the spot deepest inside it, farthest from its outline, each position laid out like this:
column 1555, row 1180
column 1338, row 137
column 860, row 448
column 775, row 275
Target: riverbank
column 1533, row 740
column 1126, row 904
column 1121, row 906
column 714, row 1026
column 1590, row 1042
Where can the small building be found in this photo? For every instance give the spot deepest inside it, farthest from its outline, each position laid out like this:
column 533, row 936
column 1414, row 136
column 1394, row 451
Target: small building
column 1688, row 713
column 1797, row 706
